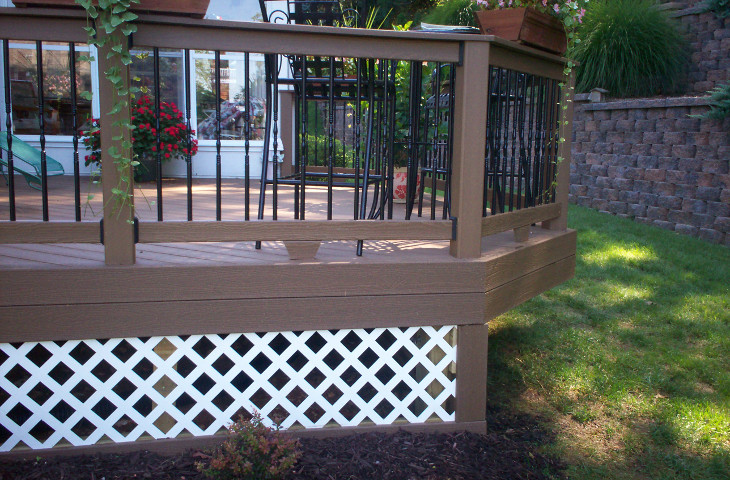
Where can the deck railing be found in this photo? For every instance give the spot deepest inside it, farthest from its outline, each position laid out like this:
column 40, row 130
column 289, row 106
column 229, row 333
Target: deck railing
column 481, row 133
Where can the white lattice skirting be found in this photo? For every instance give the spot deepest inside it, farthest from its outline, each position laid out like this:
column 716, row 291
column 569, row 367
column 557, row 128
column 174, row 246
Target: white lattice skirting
column 84, row 392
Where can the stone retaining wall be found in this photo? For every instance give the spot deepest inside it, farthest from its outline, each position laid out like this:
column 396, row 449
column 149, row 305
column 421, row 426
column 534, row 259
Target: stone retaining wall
column 709, row 37
column 649, row 160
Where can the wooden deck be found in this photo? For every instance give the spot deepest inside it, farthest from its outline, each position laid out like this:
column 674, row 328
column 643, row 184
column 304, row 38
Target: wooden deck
column 173, row 285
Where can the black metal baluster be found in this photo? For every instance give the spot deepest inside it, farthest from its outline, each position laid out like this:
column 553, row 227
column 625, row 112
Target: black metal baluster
column 368, row 147
column 158, row 139
column 379, row 197
column 297, row 149
column 358, row 114
column 218, row 194
column 414, row 100
column 267, row 136
column 504, row 166
column 275, row 133
column 330, row 135
column 497, row 151
column 390, row 92
column 513, row 155
column 450, row 142
column 422, row 144
column 529, row 198
column 303, row 162
column 537, row 167
column 437, row 120
column 75, row 127
column 489, row 137
column 9, row 128
column 247, row 139
column 520, row 104
column 42, row 126
column 540, row 147
column 188, row 156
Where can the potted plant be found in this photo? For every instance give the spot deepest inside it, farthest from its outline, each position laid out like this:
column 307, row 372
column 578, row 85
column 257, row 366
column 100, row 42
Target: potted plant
column 174, row 138
column 189, row 8
column 545, row 24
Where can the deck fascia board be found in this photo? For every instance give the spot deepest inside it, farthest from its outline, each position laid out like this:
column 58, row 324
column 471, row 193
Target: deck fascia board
column 181, row 300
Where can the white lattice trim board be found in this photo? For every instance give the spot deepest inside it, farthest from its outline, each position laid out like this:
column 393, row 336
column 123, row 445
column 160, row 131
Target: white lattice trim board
column 84, row 392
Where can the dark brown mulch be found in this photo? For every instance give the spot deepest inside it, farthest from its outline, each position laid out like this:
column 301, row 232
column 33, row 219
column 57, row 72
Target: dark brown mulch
column 508, row 451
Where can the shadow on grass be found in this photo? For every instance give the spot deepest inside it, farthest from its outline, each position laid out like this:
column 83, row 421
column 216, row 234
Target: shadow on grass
column 629, row 363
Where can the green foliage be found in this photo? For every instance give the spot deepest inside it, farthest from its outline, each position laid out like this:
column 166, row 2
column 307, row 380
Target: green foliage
column 720, row 7
column 628, row 363
column 453, row 12
column 318, row 148
column 253, row 451
column 719, row 103
column 629, row 48
column 108, row 29
column 399, row 12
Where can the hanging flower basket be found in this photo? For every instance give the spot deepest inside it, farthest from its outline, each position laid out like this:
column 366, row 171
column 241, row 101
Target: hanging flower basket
column 524, row 25
column 188, row 8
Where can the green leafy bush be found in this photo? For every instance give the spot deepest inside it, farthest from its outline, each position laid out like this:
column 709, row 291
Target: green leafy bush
column 720, row 7
column 318, row 152
column 719, row 103
column 252, row 451
column 453, row 12
column 631, row 49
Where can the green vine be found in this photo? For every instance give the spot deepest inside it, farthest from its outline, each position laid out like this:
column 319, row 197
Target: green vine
column 106, row 20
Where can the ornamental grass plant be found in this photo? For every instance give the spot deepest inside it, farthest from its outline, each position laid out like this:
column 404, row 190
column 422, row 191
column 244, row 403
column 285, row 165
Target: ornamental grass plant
column 631, row 49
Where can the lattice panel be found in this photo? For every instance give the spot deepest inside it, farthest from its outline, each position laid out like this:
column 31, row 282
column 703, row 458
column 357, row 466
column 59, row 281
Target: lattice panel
column 125, row 389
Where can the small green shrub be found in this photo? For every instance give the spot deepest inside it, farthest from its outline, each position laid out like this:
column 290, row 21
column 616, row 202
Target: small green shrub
column 453, row 12
column 318, row 152
column 719, row 103
column 720, row 7
column 631, row 49
column 253, row 451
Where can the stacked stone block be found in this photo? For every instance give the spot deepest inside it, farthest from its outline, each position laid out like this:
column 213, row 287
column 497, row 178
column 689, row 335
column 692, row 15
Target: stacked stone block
column 709, row 37
column 651, row 161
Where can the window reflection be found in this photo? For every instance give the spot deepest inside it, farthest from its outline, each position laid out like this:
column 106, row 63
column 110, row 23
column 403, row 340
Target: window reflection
column 232, row 96
column 58, row 103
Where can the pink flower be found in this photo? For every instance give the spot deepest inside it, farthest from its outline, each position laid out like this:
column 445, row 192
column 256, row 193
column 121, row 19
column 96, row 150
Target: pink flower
column 556, row 7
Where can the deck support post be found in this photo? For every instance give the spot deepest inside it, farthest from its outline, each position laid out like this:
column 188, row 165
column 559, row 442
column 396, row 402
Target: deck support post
column 471, row 373
column 119, row 248
column 470, row 124
column 565, row 131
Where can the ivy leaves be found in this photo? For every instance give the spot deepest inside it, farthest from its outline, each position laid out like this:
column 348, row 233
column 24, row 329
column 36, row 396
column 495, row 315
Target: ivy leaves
column 112, row 17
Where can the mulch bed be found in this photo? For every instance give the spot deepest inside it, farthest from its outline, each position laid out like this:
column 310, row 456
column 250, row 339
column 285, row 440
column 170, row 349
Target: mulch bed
column 508, row 451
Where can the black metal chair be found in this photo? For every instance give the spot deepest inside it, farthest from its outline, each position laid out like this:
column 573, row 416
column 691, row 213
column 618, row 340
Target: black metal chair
column 328, row 93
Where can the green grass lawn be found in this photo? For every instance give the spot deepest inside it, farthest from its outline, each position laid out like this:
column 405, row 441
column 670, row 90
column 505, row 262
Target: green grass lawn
column 628, row 363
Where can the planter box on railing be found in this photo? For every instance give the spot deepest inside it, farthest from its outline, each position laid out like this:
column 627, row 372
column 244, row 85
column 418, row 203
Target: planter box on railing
column 188, row 8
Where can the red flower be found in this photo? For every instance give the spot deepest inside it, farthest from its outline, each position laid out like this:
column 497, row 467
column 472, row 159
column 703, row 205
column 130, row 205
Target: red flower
column 167, row 155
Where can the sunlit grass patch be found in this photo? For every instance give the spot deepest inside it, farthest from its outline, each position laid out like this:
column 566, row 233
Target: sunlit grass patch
column 630, row 360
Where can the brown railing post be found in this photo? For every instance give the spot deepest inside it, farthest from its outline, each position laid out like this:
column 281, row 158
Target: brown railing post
column 471, row 373
column 565, row 131
column 470, row 124
column 119, row 246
